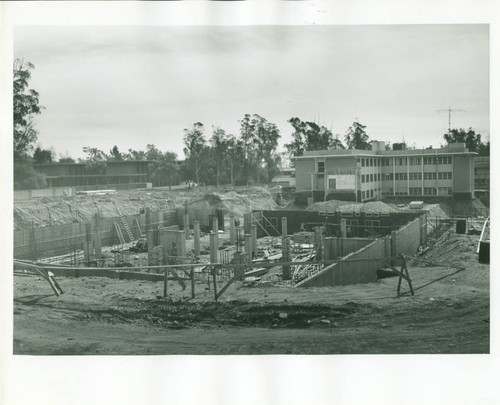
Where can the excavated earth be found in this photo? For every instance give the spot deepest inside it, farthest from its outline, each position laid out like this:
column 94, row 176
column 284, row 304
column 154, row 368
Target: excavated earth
column 449, row 313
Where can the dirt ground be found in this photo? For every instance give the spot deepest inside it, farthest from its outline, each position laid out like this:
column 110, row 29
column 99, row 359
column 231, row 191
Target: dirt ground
column 449, row 313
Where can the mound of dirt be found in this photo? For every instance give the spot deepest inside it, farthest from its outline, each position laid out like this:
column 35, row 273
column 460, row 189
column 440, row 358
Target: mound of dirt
column 238, row 203
column 345, row 206
column 435, row 211
column 83, row 208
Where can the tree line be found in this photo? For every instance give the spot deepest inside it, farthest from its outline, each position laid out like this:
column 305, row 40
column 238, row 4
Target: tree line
column 217, row 158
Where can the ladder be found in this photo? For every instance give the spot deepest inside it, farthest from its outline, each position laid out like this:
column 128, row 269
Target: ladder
column 119, row 232
column 127, row 228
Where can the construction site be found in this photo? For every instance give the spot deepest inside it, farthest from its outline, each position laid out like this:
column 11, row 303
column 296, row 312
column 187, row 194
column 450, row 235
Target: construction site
column 247, row 271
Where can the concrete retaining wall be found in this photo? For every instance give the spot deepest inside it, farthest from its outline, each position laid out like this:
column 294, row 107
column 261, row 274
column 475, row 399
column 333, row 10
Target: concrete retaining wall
column 403, row 241
column 49, row 241
column 337, row 247
column 43, row 192
column 407, row 239
column 345, row 272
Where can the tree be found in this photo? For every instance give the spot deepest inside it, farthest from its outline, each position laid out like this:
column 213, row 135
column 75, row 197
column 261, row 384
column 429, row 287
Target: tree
column 114, row 154
column 220, row 144
column 94, row 154
column 356, row 137
column 166, row 168
column 260, row 141
column 235, row 156
column 470, row 138
column 43, row 155
column 195, row 147
column 153, row 153
column 25, row 177
column 310, row 136
column 26, row 106
column 135, row 155
column 484, row 149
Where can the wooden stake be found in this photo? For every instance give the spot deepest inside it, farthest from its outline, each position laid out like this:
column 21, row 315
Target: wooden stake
column 215, row 282
column 192, row 282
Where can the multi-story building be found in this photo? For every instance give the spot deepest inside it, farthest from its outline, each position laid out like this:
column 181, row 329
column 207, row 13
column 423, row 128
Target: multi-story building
column 482, row 174
column 363, row 175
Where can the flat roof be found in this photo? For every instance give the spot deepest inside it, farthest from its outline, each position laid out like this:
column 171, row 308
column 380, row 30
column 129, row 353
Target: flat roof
column 385, row 153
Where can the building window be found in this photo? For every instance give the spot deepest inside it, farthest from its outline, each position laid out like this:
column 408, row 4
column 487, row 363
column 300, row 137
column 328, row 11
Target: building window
column 363, row 162
column 321, row 167
column 362, row 178
column 440, row 176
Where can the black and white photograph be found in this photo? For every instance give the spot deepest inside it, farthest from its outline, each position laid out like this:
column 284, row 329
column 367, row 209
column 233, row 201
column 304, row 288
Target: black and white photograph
column 251, row 189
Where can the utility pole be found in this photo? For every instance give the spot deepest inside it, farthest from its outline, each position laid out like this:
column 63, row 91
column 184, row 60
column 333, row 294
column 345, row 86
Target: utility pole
column 449, row 116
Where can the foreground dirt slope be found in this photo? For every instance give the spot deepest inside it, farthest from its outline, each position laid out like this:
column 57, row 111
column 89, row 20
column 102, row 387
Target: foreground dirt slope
column 448, row 314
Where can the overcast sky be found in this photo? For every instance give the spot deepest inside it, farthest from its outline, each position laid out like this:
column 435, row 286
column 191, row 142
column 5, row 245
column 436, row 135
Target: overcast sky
column 137, row 85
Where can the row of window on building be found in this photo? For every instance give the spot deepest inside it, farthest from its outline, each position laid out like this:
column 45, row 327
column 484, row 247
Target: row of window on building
column 429, row 191
column 403, row 161
column 369, row 178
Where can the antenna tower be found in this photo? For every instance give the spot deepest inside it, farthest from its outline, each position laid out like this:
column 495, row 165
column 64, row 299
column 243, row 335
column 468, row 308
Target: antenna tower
column 449, row 116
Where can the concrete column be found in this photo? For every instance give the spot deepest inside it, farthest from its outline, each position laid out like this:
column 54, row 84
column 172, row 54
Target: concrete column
column 87, row 244
column 179, row 212
column 247, row 220
column 343, row 227
column 328, row 248
column 215, row 230
column 232, row 230
column 285, row 252
column 248, row 247
column 318, row 241
column 150, row 241
column 97, row 238
column 186, row 224
column 160, row 219
column 197, row 238
column 213, row 248
column 181, row 245
column 284, row 226
column 254, row 240
column 148, row 221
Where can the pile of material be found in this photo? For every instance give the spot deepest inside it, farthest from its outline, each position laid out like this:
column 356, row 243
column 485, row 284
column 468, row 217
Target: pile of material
column 82, row 208
column 345, row 206
column 238, row 203
column 435, row 211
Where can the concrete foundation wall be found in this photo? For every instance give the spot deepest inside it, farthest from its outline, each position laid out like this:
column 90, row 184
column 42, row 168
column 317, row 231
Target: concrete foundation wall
column 403, row 241
column 43, row 192
column 48, row 241
column 344, row 273
column 407, row 239
column 341, row 247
